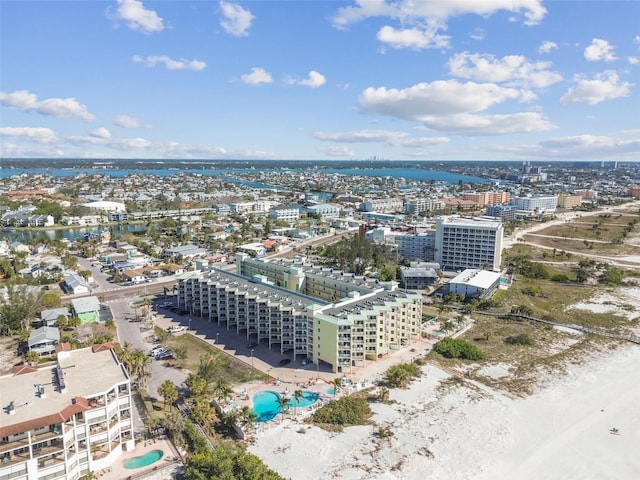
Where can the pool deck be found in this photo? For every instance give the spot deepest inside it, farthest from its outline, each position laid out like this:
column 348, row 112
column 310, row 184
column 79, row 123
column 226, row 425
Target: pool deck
column 118, row 472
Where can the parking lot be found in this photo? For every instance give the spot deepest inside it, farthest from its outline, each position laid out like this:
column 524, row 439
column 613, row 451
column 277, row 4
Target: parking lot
column 257, row 355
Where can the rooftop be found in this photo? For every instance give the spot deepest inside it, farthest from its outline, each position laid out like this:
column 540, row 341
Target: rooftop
column 78, row 369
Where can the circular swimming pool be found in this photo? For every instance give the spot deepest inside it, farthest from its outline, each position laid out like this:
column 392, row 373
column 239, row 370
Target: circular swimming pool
column 144, row 460
column 265, row 404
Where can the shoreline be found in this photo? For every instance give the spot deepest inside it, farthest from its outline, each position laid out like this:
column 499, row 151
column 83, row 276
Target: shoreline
column 470, row 431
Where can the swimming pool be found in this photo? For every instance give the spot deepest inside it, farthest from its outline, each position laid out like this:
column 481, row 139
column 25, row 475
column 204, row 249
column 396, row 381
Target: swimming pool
column 331, row 391
column 265, row 404
column 144, row 460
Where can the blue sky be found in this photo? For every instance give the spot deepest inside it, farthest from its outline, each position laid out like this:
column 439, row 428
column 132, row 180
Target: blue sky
column 424, row 80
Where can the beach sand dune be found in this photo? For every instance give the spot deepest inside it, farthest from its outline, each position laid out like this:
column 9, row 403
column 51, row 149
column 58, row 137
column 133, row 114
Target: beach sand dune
column 461, row 430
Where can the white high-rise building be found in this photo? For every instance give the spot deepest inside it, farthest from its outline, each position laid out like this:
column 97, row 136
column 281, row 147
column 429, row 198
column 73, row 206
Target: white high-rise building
column 66, row 420
column 463, row 243
column 537, row 205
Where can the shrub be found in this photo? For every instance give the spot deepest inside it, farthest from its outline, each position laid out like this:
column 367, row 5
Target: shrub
column 344, row 411
column 531, row 290
column 522, row 339
column 456, row 348
column 560, row 278
column 400, row 375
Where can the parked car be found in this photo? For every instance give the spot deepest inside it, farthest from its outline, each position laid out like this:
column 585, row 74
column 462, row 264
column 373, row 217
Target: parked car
column 165, row 304
column 176, row 329
column 164, row 356
column 284, row 361
column 154, row 352
column 252, row 344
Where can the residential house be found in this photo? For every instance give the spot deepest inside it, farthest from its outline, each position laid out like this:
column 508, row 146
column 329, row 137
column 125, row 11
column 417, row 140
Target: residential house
column 44, row 340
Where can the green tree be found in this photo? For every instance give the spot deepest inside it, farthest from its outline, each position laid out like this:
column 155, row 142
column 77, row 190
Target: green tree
column 283, row 404
column 50, row 300
column 195, row 384
column 203, row 413
column 62, row 322
column 208, row 370
column 223, row 463
column 222, row 390
column 297, row 396
column 18, row 308
column 168, row 392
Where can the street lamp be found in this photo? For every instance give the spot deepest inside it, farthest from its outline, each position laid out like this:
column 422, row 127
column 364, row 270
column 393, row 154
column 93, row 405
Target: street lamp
column 189, row 329
column 217, row 335
column 252, row 359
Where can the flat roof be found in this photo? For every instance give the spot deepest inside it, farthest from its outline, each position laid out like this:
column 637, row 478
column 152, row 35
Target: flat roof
column 86, row 373
column 85, row 304
column 476, row 278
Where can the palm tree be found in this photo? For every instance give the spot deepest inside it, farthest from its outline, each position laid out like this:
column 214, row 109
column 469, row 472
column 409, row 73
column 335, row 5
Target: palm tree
column 248, row 416
column 168, row 392
column 297, row 396
column 203, row 413
column 146, row 303
column 222, row 390
column 283, row 403
column 31, row 356
column 173, row 422
column 337, row 383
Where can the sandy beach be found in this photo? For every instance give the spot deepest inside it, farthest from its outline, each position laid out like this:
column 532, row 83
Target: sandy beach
column 465, row 430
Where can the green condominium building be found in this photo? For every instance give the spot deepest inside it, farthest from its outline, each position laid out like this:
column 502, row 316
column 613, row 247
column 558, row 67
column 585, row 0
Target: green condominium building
column 321, row 314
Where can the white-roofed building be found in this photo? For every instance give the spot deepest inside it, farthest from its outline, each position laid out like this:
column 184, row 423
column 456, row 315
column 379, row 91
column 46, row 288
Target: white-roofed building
column 106, row 206
column 475, row 283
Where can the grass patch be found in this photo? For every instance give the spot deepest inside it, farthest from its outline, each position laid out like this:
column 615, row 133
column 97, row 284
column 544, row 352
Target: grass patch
column 234, row 371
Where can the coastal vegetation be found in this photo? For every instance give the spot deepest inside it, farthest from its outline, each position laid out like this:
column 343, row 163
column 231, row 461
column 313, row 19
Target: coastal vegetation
column 342, row 412
column 457, row 348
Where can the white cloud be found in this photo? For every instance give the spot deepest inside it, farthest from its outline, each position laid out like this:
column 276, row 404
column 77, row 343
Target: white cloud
column 257, row 76
column 126, row 121
column 139, row 18
column 547, row 46
column 103, row 137
column 633, row 60
column 178, row 150
column 101, row 133
column 361, row 136
column 237, row 20
column 56, row 107
column 599, row 50
column 423, row 142
column 514, row 70
column 169, row 63
column 467, row 124
column 314, row 80
column 591, row 146
column 38, row 135
column 425, row 100
column 413, row 38
column 420, row 21
column 477, row 34
column 396, row 139
column 338, row 151
column 604, row 86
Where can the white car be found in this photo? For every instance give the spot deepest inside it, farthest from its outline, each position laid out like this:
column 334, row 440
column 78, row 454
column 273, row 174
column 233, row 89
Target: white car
column 176, row 329
column 157, row 351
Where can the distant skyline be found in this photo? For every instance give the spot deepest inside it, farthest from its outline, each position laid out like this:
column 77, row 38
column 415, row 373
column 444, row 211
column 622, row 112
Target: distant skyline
column 400, row 80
